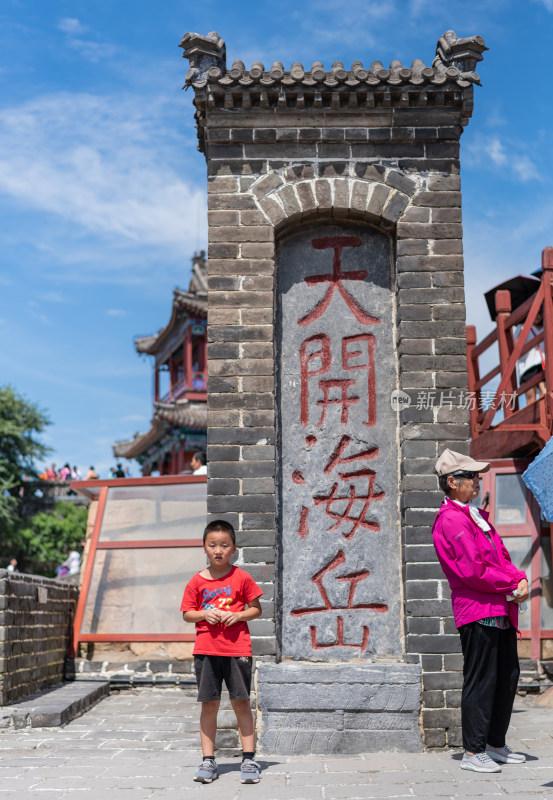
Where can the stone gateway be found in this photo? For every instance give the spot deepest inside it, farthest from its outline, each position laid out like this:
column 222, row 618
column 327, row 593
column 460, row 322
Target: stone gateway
column 336, row 302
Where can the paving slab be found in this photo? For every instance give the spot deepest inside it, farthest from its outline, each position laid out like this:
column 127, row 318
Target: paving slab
column 142, row 744
column 55, row 706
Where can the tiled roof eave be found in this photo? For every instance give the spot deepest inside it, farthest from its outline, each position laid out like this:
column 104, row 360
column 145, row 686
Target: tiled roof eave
column 141, row 442
column 188, row 415
column 449, row 81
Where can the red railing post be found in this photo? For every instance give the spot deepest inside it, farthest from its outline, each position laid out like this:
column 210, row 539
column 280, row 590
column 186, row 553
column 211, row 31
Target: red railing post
column 505, row 343
column 547, row 279
column 87, row 574
column 473, row 376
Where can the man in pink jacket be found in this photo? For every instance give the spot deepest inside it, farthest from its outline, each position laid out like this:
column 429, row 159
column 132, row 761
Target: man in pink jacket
column 486, row 589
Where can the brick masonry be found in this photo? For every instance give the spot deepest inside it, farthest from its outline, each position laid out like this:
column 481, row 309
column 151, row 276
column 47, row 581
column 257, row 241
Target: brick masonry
column 35, row 623
column 370, row 146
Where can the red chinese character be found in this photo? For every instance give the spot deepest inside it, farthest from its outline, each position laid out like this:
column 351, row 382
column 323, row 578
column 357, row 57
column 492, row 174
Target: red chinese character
column 324, row 355
column 337, row 243
column 347, row 514
column 336, row 458
column 344, row 400
column 348, row 355
column 339, row 637
column 353, row 579
column 354, row 357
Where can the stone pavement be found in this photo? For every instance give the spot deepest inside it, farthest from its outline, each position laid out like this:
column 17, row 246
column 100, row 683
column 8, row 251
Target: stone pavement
column 142, row 745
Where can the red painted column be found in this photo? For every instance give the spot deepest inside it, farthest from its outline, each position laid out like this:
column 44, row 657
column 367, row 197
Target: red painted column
column 188, row 358
column 473, row 376
column 505, row 342
column 171, row 376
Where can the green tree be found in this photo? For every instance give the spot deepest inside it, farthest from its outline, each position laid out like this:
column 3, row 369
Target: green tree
column 47, row 537
column 21, row 421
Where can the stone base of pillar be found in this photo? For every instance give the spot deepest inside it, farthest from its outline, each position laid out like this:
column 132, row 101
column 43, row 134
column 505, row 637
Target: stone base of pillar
column 350, row 708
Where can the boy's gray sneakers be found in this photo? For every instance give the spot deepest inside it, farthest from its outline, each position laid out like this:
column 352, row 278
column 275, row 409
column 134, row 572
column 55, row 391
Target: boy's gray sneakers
column 207, row 771
column 479, row 762
column 249, row 771
column 504, row 755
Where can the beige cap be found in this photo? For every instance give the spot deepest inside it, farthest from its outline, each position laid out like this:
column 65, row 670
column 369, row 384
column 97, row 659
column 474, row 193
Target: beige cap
column 450, row 462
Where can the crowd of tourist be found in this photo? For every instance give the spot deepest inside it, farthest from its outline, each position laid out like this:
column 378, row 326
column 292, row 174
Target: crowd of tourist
column 68, row 473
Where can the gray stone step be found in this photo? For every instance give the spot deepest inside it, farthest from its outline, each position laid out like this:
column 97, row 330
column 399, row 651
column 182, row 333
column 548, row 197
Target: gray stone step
column 55, row 706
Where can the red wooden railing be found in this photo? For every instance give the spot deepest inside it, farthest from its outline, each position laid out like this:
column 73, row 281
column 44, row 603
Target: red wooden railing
column 529, row 427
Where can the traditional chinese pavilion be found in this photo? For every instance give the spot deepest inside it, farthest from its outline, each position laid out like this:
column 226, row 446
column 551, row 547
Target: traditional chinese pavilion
column 179, row 422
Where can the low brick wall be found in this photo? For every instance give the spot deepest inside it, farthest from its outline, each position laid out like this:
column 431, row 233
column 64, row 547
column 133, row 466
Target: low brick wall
column 35, row 622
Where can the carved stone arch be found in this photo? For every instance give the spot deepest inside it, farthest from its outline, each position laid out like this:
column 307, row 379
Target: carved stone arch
column 381, row 202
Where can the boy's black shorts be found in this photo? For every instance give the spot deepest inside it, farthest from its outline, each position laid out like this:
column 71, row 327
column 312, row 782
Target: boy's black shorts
column 211, row 671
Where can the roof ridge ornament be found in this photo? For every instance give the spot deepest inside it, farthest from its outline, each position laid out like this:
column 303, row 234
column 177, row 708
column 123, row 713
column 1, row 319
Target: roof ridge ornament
column 464, row 54
column 204, row 53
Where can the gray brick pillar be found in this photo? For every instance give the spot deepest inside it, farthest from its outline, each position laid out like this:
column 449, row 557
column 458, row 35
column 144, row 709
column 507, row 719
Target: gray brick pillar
column 295, row 156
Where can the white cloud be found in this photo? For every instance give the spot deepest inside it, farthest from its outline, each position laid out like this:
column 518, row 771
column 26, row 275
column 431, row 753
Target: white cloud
column 32, row 308
column 496, row 152
column 71, row 26
column 142, row 418
column 88, row 48
column 484, row 153
column 93, row 51
column 56, row 297
column 358, row 20
column 109, row 167
column 525, row 168
column 495, row 118
column 116, row 312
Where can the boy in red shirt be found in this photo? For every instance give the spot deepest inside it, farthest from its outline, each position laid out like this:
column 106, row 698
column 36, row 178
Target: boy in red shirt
column 215, row 599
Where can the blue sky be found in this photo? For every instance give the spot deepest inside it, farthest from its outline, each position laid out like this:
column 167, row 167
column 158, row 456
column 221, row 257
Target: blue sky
column 102, row 191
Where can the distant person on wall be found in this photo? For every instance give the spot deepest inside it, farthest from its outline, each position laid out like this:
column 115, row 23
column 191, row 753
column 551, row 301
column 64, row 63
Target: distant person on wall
column 199, row 463
column 51, row 474
column 65, row 473
column 119, row 472
column 73, row 562
column 91, row 475
column 215, row 599
column 12, row 566
column 532, row 362
column 76, row 474
column 486, row 589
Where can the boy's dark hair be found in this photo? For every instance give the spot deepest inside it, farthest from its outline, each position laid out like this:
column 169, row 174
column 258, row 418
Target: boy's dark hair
column 220, row 525
column 201, row 457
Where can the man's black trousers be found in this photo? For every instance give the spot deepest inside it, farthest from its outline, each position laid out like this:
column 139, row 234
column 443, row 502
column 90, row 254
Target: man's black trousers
column 490, row 673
